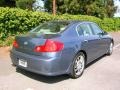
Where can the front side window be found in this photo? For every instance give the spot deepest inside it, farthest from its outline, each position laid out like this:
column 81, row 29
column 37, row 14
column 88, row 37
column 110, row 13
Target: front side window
column 96, row 29
column 84, row 29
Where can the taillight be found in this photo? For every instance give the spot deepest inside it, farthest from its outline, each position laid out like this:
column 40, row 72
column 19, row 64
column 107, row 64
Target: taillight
column 50, row 46
column 15, row 44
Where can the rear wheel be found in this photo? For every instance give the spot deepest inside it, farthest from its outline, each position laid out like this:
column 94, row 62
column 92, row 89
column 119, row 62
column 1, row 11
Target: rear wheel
column 110, row 50
column 78, row 65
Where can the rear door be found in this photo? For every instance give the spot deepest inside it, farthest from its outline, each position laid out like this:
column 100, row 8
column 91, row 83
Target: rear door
column 90, row 42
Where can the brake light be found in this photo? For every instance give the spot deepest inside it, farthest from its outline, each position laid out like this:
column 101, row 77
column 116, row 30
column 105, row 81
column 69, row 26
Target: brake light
column 50, row 46
column 15, row 44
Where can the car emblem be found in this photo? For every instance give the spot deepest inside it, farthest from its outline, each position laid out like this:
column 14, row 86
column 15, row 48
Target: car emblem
column 25, row 43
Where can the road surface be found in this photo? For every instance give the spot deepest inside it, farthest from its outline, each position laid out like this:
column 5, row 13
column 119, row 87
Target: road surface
column 103, row 74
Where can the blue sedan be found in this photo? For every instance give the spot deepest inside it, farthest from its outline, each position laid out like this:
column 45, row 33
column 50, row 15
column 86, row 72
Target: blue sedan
column 61, row 47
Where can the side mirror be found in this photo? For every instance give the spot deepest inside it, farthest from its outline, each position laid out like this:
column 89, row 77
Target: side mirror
column 102, row 33
column 105, row 33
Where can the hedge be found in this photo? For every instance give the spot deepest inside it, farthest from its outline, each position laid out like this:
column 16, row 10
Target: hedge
column 14, row 21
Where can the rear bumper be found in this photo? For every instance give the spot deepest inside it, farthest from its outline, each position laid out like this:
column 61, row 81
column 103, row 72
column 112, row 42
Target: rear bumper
column 51, row 66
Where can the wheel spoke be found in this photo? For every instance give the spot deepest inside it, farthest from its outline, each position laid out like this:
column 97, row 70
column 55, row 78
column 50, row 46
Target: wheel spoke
column 111, row 48
column 79, row 65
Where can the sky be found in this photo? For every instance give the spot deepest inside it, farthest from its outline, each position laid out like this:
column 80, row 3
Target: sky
column 117, row 3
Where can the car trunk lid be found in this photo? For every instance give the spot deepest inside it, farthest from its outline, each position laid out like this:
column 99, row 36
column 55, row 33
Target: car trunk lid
column 28, row 43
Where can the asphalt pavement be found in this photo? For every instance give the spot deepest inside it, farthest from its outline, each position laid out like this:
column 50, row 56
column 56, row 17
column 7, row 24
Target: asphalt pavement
column 102, row 74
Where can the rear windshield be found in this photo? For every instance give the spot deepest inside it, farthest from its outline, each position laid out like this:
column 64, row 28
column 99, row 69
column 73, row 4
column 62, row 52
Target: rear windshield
column 50, row 28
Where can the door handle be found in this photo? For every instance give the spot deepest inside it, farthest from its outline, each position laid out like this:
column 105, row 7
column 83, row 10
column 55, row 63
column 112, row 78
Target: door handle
column 85, row 40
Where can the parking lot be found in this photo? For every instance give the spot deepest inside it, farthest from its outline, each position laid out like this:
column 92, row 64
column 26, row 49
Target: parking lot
column 102, row 74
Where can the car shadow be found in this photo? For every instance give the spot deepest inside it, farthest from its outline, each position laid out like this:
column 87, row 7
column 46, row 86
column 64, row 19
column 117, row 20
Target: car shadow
column 41, row 78
column 94, row 61
column 50, row 79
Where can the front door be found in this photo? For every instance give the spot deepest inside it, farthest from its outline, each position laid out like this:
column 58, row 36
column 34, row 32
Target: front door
column 90, row 42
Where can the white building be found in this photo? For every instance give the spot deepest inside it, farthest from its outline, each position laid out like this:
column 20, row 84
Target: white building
column 117, row 4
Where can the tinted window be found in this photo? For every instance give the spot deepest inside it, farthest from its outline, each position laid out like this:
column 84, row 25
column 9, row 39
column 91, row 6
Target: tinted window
column 84, row 29
column 80, row 31
column 96, row 29
column 50, row 28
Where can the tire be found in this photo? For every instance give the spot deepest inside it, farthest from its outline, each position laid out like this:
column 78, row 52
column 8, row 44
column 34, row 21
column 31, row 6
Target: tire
column 110, row 49
column 78, row 65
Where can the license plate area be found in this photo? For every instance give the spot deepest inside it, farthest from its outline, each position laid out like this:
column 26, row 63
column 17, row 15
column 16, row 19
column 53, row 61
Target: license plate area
column 22, row 63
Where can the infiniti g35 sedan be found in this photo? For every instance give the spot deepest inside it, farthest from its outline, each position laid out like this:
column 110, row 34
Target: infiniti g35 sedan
column 60, row 47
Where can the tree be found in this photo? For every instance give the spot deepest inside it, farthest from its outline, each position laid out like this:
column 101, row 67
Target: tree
column 2, row 2
column 110, row 9
column 48, row 5
column 54, row 7
column 98, row 8
column 10, row 3
column 25, row 4
column 68, row 6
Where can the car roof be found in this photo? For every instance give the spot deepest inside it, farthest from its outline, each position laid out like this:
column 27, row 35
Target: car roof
column 72, row 21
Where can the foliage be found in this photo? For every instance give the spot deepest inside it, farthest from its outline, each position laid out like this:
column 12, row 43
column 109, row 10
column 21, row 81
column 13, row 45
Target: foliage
column 10, row 3
column 98, row 8
column 15, row 21
column 2, row 2
column 24, row 4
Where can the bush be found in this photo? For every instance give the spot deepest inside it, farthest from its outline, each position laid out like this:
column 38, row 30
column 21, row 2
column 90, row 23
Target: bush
column 15, row 21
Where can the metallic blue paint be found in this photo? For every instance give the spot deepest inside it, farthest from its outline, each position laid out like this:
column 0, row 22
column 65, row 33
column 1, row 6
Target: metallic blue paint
column 57, row 63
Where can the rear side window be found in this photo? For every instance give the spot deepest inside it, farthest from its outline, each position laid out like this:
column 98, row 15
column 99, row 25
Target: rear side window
column 96, row 29
column 84, row 29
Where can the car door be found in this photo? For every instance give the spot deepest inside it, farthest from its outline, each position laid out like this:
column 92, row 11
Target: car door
column 90, row 42
column 103, row 38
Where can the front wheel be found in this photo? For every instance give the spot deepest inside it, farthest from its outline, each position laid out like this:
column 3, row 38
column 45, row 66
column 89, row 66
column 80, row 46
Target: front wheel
column 78, row 65
column 110, row 49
